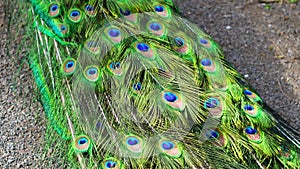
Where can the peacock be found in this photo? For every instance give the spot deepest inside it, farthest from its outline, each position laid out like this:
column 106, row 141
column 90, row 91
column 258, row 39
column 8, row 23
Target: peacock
column 132, row 84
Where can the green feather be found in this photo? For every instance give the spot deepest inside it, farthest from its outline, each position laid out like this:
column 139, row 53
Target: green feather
column 131, row 84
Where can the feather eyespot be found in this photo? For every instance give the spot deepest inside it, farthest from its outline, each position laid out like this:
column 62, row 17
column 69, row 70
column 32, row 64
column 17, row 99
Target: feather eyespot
column 114, row 34
column 156, row 28
column 111, row 163
column 253, row 134
column 286, row 153
column 125, row 12
column 145, row 50
column 128, row 15
column 214, row 106
column 115, row 68
column 133, row 143
column 167, row 145
column 208, row 65
column 82, row 144
column 91, row 73
column 173, row 99
column 248, row 107
column 143, row 47
column 170, row 97
column 251, row 110
column 180, row 45
column 179, row 41
column 206, row 62
column 98, row 125
column 170, row 148
column 75, row 15
column 69, row 66
column 137, row 86
column 248, row 92
column 251, row 95
column 63, row 30
column 250, row 130
column 90, row 10
column 115, row 65
column 161, row 10
column 54, row 10
column 216, row 137
column 205, row 43
column 211, row 103
column 212, row 134
column 92, row 46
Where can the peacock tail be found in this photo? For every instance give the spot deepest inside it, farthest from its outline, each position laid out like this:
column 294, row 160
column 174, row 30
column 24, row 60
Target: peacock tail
column 132, row 84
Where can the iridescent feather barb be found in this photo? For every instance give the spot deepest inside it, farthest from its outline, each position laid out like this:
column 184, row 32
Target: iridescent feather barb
column 131, row 84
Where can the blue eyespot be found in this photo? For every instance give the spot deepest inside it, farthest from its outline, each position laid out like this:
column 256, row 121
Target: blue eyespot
column 167, row 145
column 110, row 164
column 53, row 10
column 159, row 8
column 92, row 44
column 248, row 107
column 247, row 92
column 82, row 141
column 170, row 97
column 89, row 8
column 204, row 41
column 137, row 86
column 212, row 134
column 54, row 7
column 179, row 41
column 63, row 28
column 132, row 141
column 143, row 47
column 75, row 13
column 82, row 144
column 155, row 26
column 206, row 62
column 211, row 103
column 70, row 64
column 114, row 32
column 118, row 65
column 115, row 65
column 92, row 71
column 98, row 125
column 250, row 130
column 125, row 13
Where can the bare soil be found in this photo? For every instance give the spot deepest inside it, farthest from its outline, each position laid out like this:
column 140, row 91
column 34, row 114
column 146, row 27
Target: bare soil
column 263, row 45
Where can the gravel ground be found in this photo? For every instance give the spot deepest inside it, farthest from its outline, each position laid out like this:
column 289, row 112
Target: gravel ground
column 264, row 46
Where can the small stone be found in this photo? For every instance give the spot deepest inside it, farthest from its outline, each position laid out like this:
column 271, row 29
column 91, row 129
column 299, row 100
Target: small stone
column 228, row 27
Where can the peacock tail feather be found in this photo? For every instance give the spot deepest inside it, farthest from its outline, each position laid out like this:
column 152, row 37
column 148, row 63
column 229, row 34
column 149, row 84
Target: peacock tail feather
column 131, row 84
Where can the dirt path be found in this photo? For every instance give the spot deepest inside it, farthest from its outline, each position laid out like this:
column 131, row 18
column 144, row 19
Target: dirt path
column 264, row 45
